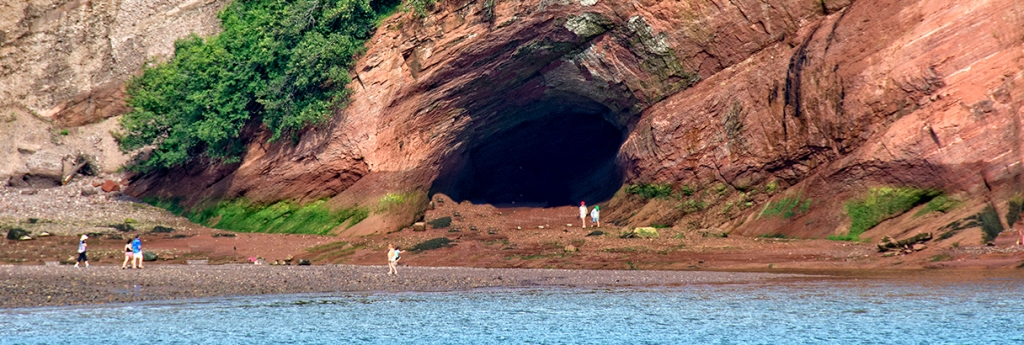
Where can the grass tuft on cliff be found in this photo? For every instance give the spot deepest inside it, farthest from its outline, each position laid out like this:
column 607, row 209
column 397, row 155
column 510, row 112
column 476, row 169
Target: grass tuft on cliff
column 882, row 203
column 650, row 190
column 280, row 64
column 787, row 207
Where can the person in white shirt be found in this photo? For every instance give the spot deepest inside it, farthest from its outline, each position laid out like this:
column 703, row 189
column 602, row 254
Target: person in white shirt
column 583, row 213
column 82, row 257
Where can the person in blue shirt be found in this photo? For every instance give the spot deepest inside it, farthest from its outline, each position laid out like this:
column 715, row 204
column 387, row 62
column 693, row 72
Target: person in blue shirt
column 595, row 216
column 137, row 252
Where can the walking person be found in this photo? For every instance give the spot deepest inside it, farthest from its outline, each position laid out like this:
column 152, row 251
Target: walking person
column 137, row 252
column 583, row 213
column 81, row 251
column 127, row 254
column 394, row 254
column 595, row 215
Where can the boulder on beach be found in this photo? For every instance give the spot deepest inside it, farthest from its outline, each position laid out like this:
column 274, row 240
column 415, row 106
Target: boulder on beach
column 110, row 186
column 16, row 234
column 149, row 256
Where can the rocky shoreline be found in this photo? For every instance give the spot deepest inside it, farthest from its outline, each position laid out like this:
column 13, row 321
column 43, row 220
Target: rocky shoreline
column 38, row 286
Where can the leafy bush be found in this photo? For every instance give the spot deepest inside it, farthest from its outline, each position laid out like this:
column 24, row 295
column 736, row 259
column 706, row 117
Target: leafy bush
column 282, row 63
column 990, row 224
column 420, row 7
column 441, row 223
column 650, row 191
column 880, row 204
column 1014, row 208
column 431, row 244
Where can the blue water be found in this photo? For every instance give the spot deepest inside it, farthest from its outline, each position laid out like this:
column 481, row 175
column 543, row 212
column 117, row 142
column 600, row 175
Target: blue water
column 844, row 312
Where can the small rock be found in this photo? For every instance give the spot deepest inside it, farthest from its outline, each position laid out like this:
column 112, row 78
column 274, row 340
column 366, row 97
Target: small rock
column 492, row 231
column 570, row 248
column 29, row 192
column 919, row 247
column 519, row 228
column 540, row 227
column 44, row 234
column 110, row 186
column 419, row 226
column 14, row 234
column 568, row 225
column 88, row 191
column 456, row 214
column 25, row 238
column 149, row 256
column 304, row 262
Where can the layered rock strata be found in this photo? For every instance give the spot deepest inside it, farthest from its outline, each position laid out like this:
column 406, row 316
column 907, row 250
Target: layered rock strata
column 817, row 99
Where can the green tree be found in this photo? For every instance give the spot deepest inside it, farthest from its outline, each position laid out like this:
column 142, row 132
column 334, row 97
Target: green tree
column 280, row 64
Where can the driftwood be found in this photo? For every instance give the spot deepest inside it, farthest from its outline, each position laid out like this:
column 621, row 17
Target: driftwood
column 67, row 175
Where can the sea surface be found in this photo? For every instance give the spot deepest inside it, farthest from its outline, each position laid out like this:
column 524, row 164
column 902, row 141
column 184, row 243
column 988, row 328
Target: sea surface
column 805, row 312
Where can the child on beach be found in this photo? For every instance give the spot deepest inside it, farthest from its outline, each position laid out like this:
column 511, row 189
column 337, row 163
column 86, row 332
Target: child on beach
column 583, row 213
column 393, row 257
column 137, row 252
column 595, row 215
column 127, row 254
column 81, row 251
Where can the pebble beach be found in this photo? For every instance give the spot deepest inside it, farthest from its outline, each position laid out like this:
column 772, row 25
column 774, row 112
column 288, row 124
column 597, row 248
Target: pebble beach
column 37, row 286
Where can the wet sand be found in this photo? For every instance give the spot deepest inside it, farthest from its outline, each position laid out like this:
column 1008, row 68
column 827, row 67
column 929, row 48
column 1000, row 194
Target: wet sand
column 32, row 286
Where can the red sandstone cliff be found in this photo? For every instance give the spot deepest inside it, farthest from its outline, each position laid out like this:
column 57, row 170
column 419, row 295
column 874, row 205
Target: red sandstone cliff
column 822, row 99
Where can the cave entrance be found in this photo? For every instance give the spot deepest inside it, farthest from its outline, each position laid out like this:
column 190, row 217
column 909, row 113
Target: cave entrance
column 544, row 155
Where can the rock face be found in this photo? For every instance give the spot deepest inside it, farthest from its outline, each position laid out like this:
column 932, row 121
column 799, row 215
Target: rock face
column 67, row 59
column 548, row 102
column 63, row 64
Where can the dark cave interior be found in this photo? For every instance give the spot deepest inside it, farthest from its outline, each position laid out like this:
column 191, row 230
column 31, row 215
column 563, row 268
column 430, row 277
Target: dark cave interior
column 544, row 155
